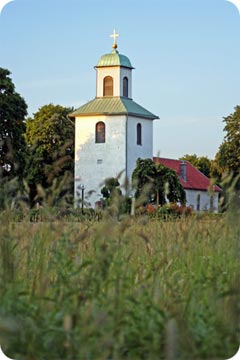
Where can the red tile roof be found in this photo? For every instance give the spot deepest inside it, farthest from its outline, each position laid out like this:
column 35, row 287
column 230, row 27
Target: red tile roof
column 195, row 180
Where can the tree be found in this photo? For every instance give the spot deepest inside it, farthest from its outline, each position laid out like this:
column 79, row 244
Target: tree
column 218, row 165
column 143, row 177
column 113, row 199
column 226, row 165
column 50, row 137
column 157, row 183
column 202, row 163
column 229, row 151
column 13, row 111
column 227, row 159
column 168, row 184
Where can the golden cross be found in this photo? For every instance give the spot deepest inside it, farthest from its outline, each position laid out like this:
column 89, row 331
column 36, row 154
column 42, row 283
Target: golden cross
column 114, row 35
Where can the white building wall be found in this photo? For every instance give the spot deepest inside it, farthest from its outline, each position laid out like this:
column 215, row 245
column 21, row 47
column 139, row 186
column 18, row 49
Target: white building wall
column 135, row 151
column 96, row 162
column 205, row 200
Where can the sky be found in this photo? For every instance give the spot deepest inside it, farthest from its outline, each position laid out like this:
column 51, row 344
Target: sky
column 186, row 55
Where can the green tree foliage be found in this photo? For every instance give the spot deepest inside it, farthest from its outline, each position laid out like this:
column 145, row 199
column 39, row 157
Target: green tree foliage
column 143, row 177
column 113, row 199
column 231, row 149
column 13, row 110
column 50, row 137
column 111, row 186
column 218, row 165
column 156, row 182
column 228, row 157
column 226, row 165
column 202, row 163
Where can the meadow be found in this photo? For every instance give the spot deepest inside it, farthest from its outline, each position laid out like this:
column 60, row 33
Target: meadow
column 128, row 288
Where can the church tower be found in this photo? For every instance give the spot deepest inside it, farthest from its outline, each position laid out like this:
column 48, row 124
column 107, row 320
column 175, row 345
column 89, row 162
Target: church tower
column 111, row 131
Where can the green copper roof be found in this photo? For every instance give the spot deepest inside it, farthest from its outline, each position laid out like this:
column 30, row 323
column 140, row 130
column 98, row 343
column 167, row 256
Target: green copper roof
column 113, row 106
column 114, row 59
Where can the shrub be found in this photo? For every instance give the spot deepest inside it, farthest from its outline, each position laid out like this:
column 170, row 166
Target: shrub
column 167, row 211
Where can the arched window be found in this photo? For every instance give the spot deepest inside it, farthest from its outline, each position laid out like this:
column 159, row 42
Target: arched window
column 100, row 132
column 108, row 86
column 139, row 134
column 125, row 86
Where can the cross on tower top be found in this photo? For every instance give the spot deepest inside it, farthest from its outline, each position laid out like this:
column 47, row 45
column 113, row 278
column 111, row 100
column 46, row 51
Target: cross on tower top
column 114, row 35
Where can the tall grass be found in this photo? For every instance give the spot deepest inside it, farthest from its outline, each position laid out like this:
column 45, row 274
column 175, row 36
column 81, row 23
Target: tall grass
column 130, row 289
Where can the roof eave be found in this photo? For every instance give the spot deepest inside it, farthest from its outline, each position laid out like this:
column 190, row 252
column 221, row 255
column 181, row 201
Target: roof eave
column 149, row 117
column 97, row 114
column 107, row 66
column 186, row 187
column 76, row 114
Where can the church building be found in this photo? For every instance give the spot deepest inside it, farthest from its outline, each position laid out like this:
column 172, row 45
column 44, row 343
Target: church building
column 111, row 131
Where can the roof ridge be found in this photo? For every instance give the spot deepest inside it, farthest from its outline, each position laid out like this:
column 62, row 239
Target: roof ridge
column 140, row 106
column 123, row 98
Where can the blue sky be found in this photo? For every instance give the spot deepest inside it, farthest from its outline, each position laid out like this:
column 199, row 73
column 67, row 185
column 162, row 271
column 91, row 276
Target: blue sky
column 186, row 54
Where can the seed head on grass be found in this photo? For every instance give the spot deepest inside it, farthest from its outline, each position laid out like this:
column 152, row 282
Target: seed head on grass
column 147, row 242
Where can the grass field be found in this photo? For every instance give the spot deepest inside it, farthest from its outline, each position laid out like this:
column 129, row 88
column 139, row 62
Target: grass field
column 129, row 289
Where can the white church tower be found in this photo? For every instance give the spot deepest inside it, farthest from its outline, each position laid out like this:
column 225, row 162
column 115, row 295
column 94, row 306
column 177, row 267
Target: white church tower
column 111, row 131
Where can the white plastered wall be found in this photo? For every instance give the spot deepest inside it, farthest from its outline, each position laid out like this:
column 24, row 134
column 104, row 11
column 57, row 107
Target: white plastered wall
column 96, row 162
column 135, row 151
column 205, row 200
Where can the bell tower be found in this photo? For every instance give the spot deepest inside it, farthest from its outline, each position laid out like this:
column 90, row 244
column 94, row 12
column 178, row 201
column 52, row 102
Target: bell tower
column 114, row 74
column 111, row 131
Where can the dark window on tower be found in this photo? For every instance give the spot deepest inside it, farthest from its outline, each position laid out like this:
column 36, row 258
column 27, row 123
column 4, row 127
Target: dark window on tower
column 125, row 86
column 100, row 132
column 139, row 134
column 108, row 86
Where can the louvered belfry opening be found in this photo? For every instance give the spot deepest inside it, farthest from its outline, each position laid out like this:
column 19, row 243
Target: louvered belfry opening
column 108, row 86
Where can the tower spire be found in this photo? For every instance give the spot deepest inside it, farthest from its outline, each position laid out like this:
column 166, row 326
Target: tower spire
column 114, row 36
